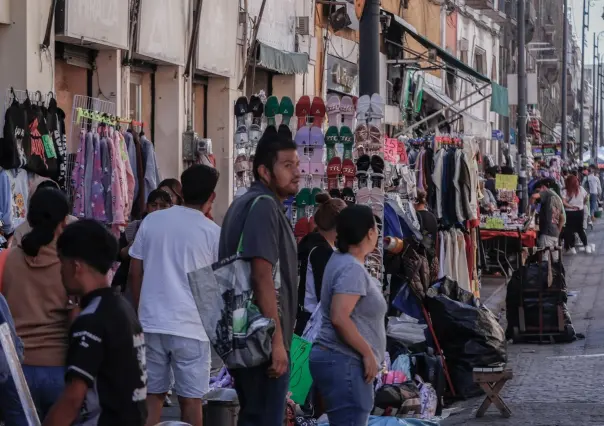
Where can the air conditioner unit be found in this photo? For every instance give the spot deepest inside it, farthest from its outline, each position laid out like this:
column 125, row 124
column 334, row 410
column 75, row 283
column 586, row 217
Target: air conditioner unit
column 303, row 25
column 464, row 45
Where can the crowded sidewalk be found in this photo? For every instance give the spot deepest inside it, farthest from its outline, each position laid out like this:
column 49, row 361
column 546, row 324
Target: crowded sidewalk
column 560, row 384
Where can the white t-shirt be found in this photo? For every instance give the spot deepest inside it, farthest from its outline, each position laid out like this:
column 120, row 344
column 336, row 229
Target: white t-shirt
column 594, row 184
column 578, row 200
column 171, row 243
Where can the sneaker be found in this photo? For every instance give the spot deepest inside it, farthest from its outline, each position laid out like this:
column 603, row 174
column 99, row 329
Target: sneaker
column 593, row 247
column 571, row 251
column 588, row 250
column 581, row 249
column 167, row 401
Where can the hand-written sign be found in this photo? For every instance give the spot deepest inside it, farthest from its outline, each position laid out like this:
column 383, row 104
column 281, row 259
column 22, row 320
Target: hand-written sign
column 300, row 379
column 391, row 150
column 506, row 182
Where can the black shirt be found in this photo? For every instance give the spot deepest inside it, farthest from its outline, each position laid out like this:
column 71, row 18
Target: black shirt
column 427, row 223
column 107, row 351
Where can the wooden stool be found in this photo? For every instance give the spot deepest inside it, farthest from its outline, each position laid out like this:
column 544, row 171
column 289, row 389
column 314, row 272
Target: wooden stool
column 492, row 382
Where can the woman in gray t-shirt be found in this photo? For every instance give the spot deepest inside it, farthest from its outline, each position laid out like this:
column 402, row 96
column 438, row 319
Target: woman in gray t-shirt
column 352, row 340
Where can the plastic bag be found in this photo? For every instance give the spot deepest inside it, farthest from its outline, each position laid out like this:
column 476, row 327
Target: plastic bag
column 406, row 329
column 402, row 364
column 469, row 335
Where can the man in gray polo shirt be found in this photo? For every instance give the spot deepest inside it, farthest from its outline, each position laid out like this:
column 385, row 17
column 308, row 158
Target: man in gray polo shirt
column 269, row 244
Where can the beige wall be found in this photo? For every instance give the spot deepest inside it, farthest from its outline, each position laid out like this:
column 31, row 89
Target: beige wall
column 425, row 17
column 22, row 65
column 169, row 122
column 70, row 80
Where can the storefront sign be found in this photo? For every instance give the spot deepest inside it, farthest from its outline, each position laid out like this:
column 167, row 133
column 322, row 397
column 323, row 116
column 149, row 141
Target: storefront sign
column 162, row 30
column 506, row 182
column 497, row 135
column 277, row 27
column 343, row 76
column 104, row 22
column 217, row 42
column 300, row 379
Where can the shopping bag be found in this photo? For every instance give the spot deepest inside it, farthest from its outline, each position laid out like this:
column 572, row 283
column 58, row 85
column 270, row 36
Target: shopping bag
column 223, row 294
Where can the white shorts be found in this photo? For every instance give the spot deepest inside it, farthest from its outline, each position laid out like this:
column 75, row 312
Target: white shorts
column 188, row 359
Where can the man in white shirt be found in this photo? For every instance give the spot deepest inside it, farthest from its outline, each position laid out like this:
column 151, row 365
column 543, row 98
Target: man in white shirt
column 595, row 189
column 169, row 244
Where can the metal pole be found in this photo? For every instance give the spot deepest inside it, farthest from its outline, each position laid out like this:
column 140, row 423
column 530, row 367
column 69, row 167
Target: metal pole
column 369, row 49
column 601, row 121
column 593, row 103
column 522, row 182
column 582, row 97
column 564, row 80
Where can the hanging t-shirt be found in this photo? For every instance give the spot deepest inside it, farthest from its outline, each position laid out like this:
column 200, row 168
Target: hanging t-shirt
column 19, row 186
column 107, row 351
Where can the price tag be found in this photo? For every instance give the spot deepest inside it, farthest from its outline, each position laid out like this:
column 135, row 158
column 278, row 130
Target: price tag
column 402, row 153
column 391, row 150
column 506, row 182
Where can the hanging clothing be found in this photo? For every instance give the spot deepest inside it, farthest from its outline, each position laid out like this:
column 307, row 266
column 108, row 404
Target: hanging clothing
column 131, row 147
column 55, row 120
column 140, row 200
column 437, row 178
column 77, row 178
column 106, row 178
column 6, row 204
column 19, row 186
column 152, row 178
column 97, row 190
column 16, row 137
column 88, row 168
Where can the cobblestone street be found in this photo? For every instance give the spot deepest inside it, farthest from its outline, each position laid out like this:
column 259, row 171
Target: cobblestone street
column 561, row 384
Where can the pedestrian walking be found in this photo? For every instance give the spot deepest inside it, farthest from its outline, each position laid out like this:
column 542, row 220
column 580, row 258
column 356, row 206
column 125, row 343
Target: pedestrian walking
column 319, row 246
column 270, row 246
column 105, row 372
column 32, row 285
column 169, row 244
column 552, row 216
column 351, row 343
column 157, row 200
column 574, row 198
column 595, row 190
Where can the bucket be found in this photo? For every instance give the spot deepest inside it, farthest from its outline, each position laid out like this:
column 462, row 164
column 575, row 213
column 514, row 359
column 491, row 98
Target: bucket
column 221, row 413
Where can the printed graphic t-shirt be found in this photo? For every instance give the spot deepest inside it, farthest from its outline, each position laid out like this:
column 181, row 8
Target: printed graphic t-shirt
column 107, row 351
column 550, row 213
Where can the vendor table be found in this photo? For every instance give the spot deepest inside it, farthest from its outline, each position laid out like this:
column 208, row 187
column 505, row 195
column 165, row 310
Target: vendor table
column 505, row 243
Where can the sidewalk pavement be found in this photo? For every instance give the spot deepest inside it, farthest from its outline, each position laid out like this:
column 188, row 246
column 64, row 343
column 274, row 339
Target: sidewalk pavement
column 560, row 384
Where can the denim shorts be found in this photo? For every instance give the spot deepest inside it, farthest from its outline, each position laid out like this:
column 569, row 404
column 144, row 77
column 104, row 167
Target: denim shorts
column 340, row 380
column 181, row 360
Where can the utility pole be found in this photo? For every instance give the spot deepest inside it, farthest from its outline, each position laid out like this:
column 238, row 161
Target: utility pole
column 369, row 49
column 522, row 181
column 594, row 92
column 584, row 28
column 564, row 80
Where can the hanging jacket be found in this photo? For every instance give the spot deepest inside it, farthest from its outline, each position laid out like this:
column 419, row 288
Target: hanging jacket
column 131, row 147
column 16, row 137
column 55, row 120
column 152, row 178
column 41, row 156
column 77, row 178
column 138, row 207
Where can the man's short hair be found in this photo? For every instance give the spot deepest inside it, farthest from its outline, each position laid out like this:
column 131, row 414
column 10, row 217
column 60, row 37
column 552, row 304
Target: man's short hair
column 90, row 242
column 198, row 184
column 269, row 146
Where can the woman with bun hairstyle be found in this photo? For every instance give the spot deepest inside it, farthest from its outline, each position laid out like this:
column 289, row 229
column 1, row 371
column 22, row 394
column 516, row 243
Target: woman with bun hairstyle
column 319, row 247
column 33, row 288
column 351, row 342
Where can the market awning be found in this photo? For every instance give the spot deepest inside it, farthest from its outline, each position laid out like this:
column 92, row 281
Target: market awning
column 281, row 61
column 443, row 54
column 440, row 97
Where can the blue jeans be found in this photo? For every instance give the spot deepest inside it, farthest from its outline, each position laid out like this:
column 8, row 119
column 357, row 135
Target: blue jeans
column 593, row 204
column 11, row 411
column 340, row 380
column 261, row 399
column 45, row 385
